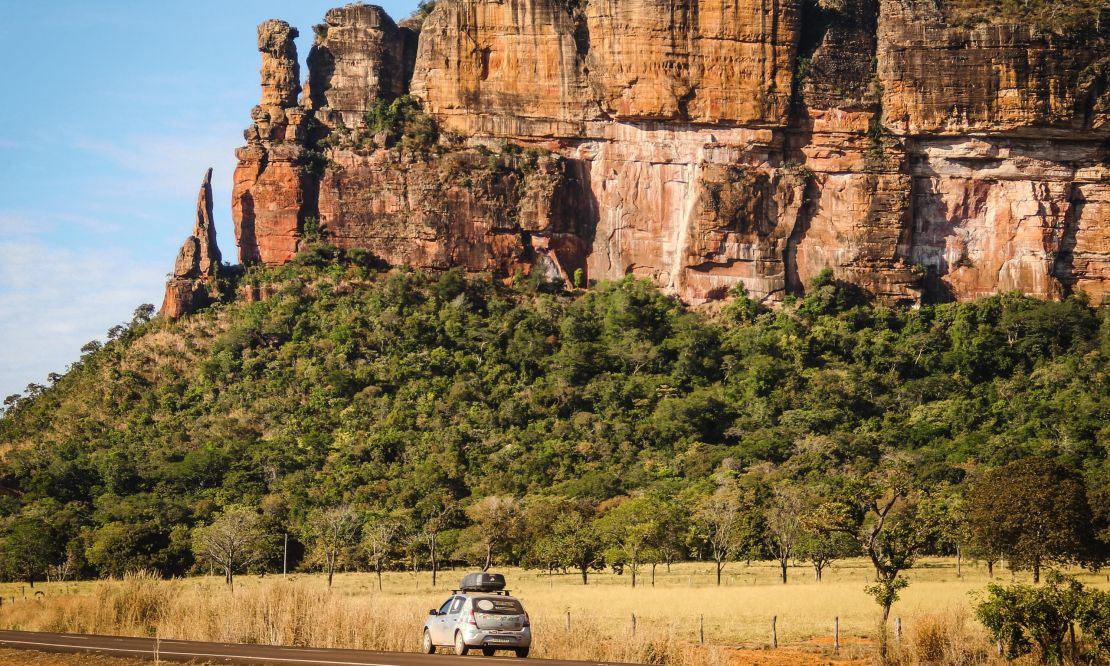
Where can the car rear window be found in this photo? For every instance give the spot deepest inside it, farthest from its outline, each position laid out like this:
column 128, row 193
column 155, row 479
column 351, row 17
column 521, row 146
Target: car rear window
column 498, row 606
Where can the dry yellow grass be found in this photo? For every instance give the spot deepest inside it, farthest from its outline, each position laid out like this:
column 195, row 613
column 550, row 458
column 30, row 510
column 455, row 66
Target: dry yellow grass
column 935, row 612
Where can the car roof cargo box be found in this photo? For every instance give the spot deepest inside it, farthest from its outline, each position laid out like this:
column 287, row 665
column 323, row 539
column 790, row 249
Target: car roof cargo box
column 483, row 582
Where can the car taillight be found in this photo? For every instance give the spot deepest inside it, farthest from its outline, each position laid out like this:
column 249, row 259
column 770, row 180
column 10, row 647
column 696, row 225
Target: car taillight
column 472, row 619
column 527, row 621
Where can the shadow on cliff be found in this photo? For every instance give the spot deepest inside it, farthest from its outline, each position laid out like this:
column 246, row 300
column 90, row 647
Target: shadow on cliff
column 1063, row 267
column 579, row 210
column 248, row 242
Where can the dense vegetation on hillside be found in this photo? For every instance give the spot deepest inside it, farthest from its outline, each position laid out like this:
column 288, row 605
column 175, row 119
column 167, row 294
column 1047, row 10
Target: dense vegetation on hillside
column 422, row 397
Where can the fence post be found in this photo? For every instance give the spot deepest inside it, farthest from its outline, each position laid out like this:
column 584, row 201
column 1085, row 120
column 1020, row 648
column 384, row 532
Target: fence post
column 898, row 629
column 568, row 621
column 633, row 625
column 701, row 628
column 836, row 634
column 774, row 631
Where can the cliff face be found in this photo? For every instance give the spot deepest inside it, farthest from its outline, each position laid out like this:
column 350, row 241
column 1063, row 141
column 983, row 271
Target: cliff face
column 700, row 143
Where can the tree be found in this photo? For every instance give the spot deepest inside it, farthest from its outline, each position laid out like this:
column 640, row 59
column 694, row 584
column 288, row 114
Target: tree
column 630, row 529
column 575, row 538
column 437, row 512
column 669, row 541
column 954, row 530
column 889, row 518
column 233, row 541
column 142, row 314
column 28, row 547
column 783, row 521
column 821, row 548
column 1035, row 512
column 333, row 530
column 496, row 522
column 720, row 518
column 380, row 537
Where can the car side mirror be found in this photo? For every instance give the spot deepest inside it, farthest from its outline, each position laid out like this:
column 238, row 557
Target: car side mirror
column 433, row 612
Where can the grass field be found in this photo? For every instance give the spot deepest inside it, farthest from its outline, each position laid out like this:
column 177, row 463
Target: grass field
column 300, row 611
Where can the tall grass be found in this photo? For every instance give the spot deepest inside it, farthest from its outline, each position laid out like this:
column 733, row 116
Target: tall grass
column 301, row 611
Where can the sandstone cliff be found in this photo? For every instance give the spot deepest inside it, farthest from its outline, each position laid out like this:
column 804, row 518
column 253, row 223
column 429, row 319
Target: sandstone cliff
column 919, row 153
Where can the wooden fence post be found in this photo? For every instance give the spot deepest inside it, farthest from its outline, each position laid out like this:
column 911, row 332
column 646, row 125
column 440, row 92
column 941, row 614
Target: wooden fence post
column 568, row 621
column 898, row 629
column 774, row 631
column 633, row 624
column 836, row 634
column 701, row 628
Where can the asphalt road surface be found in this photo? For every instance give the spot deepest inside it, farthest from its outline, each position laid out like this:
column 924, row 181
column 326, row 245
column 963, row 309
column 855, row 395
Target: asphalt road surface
column 256, row 655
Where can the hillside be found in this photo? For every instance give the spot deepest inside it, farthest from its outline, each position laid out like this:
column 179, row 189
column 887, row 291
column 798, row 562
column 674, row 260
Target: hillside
column 396, row 391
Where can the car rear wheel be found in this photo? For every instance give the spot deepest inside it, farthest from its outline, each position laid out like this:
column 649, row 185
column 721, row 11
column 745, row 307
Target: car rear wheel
column 522, row 652
column 460, row 646
column 429, row 648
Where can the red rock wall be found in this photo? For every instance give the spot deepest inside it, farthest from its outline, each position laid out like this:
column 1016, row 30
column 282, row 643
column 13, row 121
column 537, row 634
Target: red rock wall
column 700, row 144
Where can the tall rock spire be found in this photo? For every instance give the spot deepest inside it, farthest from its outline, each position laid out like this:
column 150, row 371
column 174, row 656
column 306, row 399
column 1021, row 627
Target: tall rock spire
column 271, row 166
column 197, row 262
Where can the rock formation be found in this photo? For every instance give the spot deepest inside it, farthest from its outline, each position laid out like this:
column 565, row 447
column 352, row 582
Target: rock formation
column 198, row 261
column 920, row 152
column 271, row 193
column 359, row 56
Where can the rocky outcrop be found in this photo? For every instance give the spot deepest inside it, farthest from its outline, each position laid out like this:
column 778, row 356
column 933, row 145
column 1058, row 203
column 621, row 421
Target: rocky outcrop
column 940, row 78
column 919, row 154
column 272, row 192
column 360, row 56
column 485, row 212
column 198, row 261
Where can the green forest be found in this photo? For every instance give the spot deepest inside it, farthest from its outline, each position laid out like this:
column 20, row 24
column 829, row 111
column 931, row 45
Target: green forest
column 389, row 419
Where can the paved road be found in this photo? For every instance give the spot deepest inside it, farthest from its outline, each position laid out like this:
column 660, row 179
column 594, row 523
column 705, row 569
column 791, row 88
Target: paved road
column 255, row 655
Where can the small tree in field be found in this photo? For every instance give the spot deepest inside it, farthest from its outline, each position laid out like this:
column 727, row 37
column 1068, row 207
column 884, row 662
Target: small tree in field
column 380, row 538
column 232, row 542
column 574, row 536
column 437, row 512
column 721, row 519
column 496, row 521
column 333, row 531
column 821, row 548
column 631, row 529
column 890, row 520
column 784, row 525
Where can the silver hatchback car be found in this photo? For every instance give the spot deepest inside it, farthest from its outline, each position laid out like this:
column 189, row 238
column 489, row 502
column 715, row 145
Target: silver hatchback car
column 478, row 621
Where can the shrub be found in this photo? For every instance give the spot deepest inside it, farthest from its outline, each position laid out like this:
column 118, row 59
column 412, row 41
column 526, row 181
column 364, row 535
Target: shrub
column 402, row 121
column 1044, row 618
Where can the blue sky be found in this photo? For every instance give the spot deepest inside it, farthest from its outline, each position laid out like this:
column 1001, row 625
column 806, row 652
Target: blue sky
column 111, row 112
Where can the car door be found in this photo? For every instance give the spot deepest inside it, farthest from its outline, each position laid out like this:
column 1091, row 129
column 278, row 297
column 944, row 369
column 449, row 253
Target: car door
column 451, row 620
column 438, row 627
